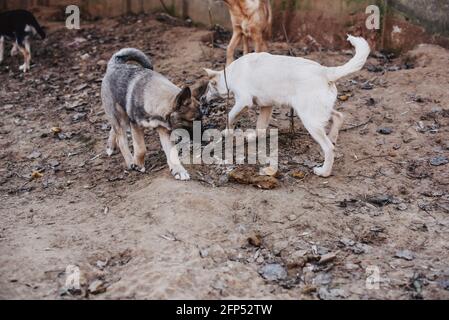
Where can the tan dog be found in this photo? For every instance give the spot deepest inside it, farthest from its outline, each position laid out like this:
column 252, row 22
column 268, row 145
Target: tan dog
column 251, row 20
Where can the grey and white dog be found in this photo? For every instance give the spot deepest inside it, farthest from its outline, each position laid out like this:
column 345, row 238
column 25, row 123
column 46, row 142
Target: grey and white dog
column 136, row 96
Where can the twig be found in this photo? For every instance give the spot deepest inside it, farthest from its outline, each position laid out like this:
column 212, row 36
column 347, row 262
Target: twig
column 291, row 53
column 357, row 126
column 165, row 7
column 375, row 156
column 290, row 50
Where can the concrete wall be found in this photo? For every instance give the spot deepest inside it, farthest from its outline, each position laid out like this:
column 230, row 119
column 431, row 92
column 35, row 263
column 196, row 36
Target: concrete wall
column 432, row 14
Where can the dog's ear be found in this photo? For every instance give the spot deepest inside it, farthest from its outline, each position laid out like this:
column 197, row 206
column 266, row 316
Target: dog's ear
column 211, row 73
column 200, row 90
column 182, row 97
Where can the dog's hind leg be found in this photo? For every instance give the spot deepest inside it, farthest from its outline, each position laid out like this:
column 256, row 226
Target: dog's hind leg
column 21, row 42
column 318, row 133
column 2, row 48
column 337, row 122
column 245, row 45
column 112, row 143
column 15, row 49
column 315, row 123
column 264, row 118
column 236, row 38
column 139, row 147
column 122, row 140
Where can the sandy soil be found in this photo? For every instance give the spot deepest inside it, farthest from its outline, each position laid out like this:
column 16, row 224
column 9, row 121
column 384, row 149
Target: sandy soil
column 147, row 236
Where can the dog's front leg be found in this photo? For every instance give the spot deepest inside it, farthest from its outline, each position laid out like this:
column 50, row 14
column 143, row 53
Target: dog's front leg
column 171, row 153
column 236, row 38
column 232, row 117
column 15, row 49
column 140, row 149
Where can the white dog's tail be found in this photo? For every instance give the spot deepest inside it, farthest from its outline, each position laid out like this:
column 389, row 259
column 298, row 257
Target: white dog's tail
column 362, row 51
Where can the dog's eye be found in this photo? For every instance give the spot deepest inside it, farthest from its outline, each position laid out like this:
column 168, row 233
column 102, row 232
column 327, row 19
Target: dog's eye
column 213, row 82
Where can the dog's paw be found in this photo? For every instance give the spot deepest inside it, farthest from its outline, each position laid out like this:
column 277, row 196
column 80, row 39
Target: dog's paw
column 180, row 174
column 110, row 152
column 319, row 171
column 24, row 68
column 138, row 169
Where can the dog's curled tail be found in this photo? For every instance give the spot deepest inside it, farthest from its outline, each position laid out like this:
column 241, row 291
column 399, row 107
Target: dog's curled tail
column 362, row 51
column 130, row 54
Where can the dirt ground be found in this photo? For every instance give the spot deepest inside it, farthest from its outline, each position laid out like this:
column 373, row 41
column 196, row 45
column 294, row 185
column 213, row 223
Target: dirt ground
column 145, row 236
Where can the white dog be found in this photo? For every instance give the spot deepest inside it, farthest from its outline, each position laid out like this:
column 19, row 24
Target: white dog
column 266, row 80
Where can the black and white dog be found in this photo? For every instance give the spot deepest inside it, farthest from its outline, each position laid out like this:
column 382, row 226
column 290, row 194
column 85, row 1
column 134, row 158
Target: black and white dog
column 19, row 26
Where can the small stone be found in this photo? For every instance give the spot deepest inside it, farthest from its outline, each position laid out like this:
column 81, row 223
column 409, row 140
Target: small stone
column 385, row 131
column 402, row 207
column 292, row 217
column 34, row 155
column 367, row 86
column 300, row 175
column 328, row 258
column 204, row 253
column 405, row 255
column 54, row 163
column 439, row 161
column 273, row 272
column 97, row 287
column 255, row 240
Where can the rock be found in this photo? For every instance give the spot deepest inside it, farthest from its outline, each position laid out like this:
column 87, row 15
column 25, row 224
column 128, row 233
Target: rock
column 405, row 255
column 292, row 217
column 204, row 253
column 343, row 98
column 332, row 294
column 78, row 116
column 371, row 102
column 367, row 86
column 385, row 131
column 97, row 287
column 328, row 258
column 266, row 183
column 300, row 175
column 102, row 63
column 380, row 201
column 444, row 284
column 85, row 56
column 273, row 272
column 73, row 282
column 56, row 130
column 54, row 163
column 439, row 161
column 34, row 155
column 402, row 207
column 322, row 279
column 255, row 240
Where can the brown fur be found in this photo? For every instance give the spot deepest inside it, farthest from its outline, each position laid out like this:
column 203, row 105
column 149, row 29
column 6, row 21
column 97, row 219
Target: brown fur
column 249, row 23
